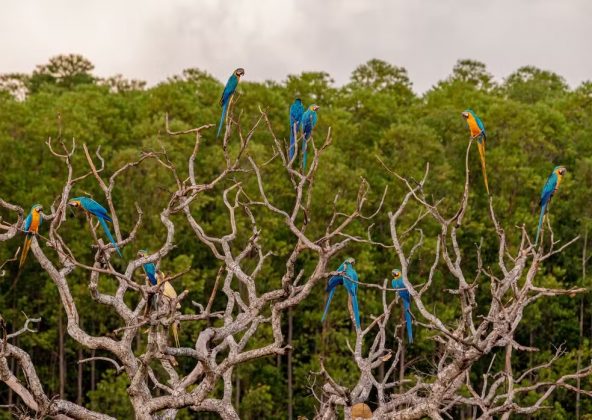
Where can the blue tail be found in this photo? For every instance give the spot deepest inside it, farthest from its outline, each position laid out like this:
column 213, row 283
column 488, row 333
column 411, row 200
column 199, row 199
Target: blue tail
column 304, row 153
column 293, row 131
column 407, row 309
column 354, row 298
column 108, row 233
column 541, row 217
column 222, row 118
column 327, row 305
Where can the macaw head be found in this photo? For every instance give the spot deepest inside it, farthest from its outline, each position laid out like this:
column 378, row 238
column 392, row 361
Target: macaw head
column 350, row 261
column 37, row 208
column 75, row 202
column 298, row 101
column 142, row 253
column 560, row 170
column 239, row 72
column 396, row 274
column 314, row 107
column 467, row 113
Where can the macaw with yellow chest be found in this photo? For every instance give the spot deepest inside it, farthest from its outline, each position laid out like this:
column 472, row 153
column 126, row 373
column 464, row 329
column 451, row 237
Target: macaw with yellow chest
column 227, row 94
column 478, row 133
column 31, row 228
column 399, row 284
column 92, row 207
column 551, row 186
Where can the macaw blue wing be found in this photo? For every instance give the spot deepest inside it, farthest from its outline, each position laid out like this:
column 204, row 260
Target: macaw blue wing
column 548, row 189
column 296, row 111
column 150, row 270
column 94, row 208
column 481, row 126
column 28, row 222
column 406, row 298
column 225, row 99
column 546, row 195
column 229, row 89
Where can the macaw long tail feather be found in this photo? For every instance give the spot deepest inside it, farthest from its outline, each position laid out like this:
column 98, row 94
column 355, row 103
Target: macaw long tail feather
column 108, row 233
column 304, row 141
column 331, row 293
column 408, row 322
column 175, row 333
column 356, row 311
column 541, row 217
column 26, row 247
column 293, row 131
column 481, row 147
column 222, row 118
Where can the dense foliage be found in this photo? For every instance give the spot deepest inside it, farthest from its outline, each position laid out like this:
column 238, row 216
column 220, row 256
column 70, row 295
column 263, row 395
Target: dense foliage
column 534, row 121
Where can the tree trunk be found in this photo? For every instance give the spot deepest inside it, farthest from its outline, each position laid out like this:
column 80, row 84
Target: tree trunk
column 290, row 391
column 61, row 357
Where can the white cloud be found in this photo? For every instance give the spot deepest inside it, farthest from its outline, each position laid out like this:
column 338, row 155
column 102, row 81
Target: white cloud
column 153, row 39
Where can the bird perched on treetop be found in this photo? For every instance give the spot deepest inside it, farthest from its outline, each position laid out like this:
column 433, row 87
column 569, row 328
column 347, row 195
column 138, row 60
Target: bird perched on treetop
column 227, row 94
column 349, row 278
column 549, row 189
column 478, row 133
column 31, row 228
column 309, row 120
column 296, row 111
column 398, row 283
column 91, row 206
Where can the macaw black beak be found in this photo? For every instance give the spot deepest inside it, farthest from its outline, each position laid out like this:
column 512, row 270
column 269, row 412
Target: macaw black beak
column 465, row 115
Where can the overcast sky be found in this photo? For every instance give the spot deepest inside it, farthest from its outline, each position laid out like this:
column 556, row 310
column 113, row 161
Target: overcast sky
column 154, row 39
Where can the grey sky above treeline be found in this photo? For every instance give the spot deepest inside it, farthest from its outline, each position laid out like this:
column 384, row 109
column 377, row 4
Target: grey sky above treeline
column 153, row 39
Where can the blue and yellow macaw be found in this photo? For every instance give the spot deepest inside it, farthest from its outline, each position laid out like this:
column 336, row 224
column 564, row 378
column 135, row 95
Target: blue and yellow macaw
column 296, row 111
column 398, row 283
column 349, row 278
column 227, row 94
column 91, row 206
column 478, row 132
column 549, row 189
column 309, row 120
column 32, row 224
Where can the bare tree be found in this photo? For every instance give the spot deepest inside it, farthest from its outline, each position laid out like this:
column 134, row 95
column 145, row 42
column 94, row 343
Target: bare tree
column 225, row 341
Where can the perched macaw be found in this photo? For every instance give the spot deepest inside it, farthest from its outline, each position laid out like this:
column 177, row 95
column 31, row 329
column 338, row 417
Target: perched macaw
column 227, row 94
column 169, row 292
column 349, row 278
column 309, row 120
column 478, row 132
column 549, row 189
column 32, row 224
column 398, row 283
column 296, row 111
column 91, row 206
